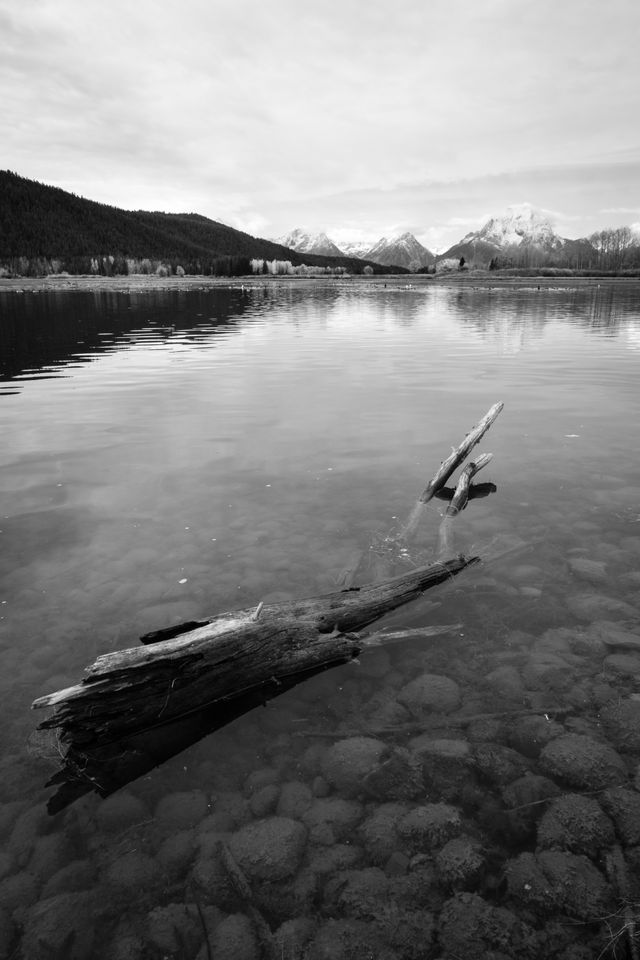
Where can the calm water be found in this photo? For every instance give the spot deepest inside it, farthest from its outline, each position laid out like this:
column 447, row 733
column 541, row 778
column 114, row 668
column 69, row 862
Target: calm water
column 170, row 455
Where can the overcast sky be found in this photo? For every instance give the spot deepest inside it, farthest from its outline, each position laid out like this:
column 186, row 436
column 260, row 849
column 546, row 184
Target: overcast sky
column 362, row 118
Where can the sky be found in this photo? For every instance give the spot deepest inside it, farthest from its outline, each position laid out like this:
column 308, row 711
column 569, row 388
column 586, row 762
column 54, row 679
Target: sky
column 360, row 118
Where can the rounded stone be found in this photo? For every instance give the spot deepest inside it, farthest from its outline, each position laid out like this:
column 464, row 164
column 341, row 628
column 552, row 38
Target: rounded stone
column 460, row 863
column 582, row 762
column 61, row 926
column 269, row 849
column 182, row 810
column 430, row 693
column 347, row 762
column 577, row 824
column 429, row 826
column 332, row 819
column 235, row 939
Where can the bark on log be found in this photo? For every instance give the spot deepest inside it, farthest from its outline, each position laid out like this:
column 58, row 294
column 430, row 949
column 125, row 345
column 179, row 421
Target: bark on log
column 459, row 455
column 231, row 659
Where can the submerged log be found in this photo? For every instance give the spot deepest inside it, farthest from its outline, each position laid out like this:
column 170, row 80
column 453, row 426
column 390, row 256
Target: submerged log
column 217, row 670
column 139, row 706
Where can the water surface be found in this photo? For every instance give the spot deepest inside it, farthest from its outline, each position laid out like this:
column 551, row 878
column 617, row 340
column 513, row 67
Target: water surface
column 170, row 455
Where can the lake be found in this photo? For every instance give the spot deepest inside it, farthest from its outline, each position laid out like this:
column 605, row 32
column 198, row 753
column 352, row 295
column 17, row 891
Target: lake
column 171, row 454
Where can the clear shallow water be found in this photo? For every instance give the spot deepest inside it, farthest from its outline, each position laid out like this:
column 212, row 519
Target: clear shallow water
column 168, row 456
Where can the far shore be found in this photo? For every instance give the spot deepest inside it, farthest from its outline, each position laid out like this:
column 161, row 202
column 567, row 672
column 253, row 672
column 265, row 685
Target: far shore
column 139, row 283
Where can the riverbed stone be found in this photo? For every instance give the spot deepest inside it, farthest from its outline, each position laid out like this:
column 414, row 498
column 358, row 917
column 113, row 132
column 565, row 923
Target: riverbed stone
column 430, row 693
column 347, row 762
column 176, row 853
column 398, row 776
column 8, row 933
column 379, row 832
column 264, row 801
column 234, row 939
column 429, row 826
column 470, row 928
column 295, row 797
column 182, row 810
column 174, row 928
column 133, row 876
column 77, row 875
column 621, row 719
column 558, row 881
column 357, row 893
column 499, row 765
column 593, row 571
column 446, row 763
column 524, row 800
column 577, row 824
column 326, row 860
column 582, row 762
column 460, row 863
column 623, row 806
column 292, row 936
column 332, row 819
column 529, row 735
column 18, row 891
column 600, row 606
column 348, row 940
column 269, row 849
column 60, row 926
column 506, row 682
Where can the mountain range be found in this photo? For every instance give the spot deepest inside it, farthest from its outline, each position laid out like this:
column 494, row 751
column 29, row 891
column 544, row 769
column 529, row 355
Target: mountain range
column 403, row 251
column 44, row 229
column 523, row 232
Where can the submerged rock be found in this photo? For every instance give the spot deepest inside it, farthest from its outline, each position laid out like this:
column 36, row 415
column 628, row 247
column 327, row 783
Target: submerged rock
column 332, row 819
column 429, row 826
column 499, row 765
column 582, row 762
column 577, row 824
column 598, row 606
column 175, row 928
column 470, row 928
column 347, row 762
column 233, row 939
column 380, row 833
column 555, row 881
column 348, row 940
column 430, row 693
column 621, row 720
column 61, row 927
column 460, row 863
column 269, row 849
column 623, row 806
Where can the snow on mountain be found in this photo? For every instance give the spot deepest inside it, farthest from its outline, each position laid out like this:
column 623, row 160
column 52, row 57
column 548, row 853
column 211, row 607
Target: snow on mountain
column 521, row 224
column 355, row 248
column 404, row 251
column 304, row 242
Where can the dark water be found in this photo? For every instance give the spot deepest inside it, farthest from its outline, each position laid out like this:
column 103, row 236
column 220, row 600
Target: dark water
column 170, row 455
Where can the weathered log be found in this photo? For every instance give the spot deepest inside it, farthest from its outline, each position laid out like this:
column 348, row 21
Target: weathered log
column 197, row 676
column 234, row 657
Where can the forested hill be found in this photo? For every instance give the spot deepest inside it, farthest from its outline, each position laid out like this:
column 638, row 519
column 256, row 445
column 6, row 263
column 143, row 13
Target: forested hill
column 41, row 224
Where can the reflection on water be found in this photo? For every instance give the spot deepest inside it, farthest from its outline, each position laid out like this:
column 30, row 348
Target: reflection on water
column 168, row 456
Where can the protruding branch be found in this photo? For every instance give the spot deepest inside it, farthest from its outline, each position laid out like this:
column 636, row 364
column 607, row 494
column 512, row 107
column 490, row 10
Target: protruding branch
column 459, row 455
column 461, row 495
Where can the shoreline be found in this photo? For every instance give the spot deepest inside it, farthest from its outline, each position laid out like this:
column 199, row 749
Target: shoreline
column 140, row 283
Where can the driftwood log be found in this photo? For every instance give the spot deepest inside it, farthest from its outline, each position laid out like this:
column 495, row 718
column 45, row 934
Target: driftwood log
column 194, row 677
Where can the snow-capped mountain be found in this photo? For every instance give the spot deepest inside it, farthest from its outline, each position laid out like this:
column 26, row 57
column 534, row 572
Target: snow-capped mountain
column 304, row 242
column 404, row 251
column 521, row 224
column 355, row 248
